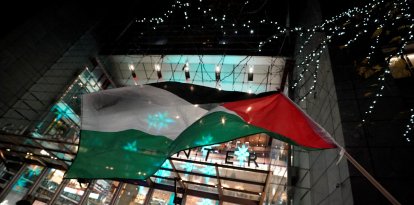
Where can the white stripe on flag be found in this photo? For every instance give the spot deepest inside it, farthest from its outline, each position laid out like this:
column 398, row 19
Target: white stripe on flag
column 145, row 108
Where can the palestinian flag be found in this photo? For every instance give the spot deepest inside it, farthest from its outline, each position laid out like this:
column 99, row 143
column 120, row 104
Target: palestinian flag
column 127, row 133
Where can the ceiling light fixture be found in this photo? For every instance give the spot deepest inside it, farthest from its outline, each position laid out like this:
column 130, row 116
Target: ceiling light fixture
column 158, row 69
column 218, row 69
column 250, row 73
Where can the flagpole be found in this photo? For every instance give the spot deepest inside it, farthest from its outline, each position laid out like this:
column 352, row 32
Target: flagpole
column 371, row 178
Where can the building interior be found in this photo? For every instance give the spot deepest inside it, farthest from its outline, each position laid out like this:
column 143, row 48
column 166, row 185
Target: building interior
column 347, row 64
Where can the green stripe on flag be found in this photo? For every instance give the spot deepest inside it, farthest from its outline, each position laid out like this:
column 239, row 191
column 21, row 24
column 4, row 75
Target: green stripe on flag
column 133, row 154
column 126, row 154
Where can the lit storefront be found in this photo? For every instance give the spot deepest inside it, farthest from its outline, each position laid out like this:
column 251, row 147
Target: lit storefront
column 250, row 170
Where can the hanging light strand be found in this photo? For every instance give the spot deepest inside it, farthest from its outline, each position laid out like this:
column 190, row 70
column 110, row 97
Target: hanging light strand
column 409, row 127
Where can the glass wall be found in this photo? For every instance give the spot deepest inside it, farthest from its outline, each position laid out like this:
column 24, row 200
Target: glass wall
column 23, row 184
column 132, row 195
column 7, row 173
column 72, row 193
column 48, row 185
column 102, row 192
column 160, row 197
column 192, row 200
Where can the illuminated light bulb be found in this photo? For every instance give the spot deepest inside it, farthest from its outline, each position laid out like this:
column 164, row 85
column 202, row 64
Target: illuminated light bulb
column 187, row 71
column 131, row 67
column 217, row 69
column 250, row 73
column 218, row 73
column 158, row 69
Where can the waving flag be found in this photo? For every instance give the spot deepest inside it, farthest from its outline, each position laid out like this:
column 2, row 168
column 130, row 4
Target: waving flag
column 129, row 132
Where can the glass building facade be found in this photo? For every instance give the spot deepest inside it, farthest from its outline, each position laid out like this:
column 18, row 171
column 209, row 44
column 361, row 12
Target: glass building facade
column 250, row 170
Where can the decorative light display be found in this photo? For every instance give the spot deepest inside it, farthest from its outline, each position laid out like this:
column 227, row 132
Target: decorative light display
column 131, row 146
column 208, row 170
column 242, row 154
column 374, row 19
column 205, row 139
column 409, row 127
column 372, row 23
column 310, row 60
column 159, row 120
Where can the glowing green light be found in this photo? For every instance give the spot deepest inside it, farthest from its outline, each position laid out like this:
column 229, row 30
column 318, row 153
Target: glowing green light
column 205, row 140
column 159, row 121
column 132, row 147
column 33, row 171
column 209, row 170
column 62, row 110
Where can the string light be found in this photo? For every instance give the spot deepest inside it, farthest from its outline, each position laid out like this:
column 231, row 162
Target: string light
column 316, row 54
column 336, row 26
column 409, row 126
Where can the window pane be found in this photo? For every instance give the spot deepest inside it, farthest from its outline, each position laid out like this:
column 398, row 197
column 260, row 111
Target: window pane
column 132, row 195
column 102, row 192
column 48, row 186
column 23, row 184
column 192, row 200
column 6, row 174
column 162, row 198
column 72, row 193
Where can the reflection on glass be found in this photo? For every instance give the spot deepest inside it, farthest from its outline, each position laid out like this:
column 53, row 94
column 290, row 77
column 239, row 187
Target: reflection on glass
column 6, row 174
column 228, row 203
column 72, row 193
column 202, row 188
column 132, row 195
column 102, row 192
column 242, row 195
column 192, row 200
column 162, row 198
column 48, row 185
column 23, row 184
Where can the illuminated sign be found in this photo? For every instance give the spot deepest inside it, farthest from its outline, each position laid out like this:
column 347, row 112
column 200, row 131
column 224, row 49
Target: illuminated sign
column 242, row 154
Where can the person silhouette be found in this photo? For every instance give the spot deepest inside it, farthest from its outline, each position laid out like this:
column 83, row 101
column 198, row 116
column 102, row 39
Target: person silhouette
column 23, row 202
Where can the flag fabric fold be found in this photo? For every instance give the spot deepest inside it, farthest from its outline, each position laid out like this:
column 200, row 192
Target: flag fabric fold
column 127, row 133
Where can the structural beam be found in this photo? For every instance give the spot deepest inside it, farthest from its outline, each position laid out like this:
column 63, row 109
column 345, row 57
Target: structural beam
column 263, row 195
column 219, row 187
